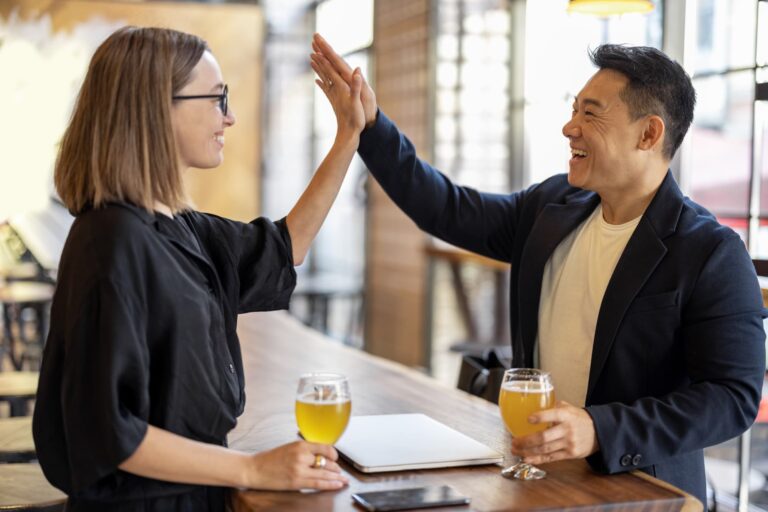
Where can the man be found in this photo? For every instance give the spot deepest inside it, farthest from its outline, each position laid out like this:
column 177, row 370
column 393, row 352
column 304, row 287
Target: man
column 644, row 309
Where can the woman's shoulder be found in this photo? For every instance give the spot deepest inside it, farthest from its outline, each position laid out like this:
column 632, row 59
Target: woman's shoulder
column 114, row 237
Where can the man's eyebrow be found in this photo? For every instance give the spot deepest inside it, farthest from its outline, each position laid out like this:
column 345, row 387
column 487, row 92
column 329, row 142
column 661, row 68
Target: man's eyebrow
column 588, row 101
column 219, row 86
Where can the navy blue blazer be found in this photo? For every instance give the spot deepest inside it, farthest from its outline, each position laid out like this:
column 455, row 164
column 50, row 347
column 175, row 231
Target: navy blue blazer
column 679, row 356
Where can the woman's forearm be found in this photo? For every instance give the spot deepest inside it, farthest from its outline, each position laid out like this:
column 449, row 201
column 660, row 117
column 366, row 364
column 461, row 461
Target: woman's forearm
column 163, row 455
column 310, row 211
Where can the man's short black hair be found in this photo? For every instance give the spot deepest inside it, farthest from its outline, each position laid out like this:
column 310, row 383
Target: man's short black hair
column 657, row 85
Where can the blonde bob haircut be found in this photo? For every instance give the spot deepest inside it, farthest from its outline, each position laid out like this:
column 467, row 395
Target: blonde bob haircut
column 119, row 145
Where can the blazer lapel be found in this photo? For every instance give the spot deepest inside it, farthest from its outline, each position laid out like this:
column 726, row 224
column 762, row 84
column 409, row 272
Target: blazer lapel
column 553, row 224
column 643, row 253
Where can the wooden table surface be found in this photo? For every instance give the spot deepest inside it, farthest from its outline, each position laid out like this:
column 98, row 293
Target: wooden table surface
column 277, row 350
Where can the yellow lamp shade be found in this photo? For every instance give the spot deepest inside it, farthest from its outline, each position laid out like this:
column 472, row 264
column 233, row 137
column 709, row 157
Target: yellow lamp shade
column 610, row 7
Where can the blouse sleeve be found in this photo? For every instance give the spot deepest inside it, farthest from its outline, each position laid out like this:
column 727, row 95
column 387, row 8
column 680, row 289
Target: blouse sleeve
column 105, row 384
column 254, row 260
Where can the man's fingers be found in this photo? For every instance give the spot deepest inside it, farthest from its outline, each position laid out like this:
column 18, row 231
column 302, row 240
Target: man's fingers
column 357, row 83
column 545, row 448
column 546, row 436
column 549, row 457
column 555, row 415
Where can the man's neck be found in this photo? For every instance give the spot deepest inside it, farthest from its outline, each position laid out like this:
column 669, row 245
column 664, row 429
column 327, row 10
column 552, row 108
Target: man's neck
column 624, row 205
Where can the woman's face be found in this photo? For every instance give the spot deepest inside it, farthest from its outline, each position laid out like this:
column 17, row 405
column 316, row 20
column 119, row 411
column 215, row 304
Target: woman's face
column 199, row 124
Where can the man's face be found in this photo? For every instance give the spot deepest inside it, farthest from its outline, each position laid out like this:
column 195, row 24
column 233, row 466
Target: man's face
column 603, row 138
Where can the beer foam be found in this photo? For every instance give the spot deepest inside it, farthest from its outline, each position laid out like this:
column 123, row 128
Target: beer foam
column 522, row 386
column 312, row 398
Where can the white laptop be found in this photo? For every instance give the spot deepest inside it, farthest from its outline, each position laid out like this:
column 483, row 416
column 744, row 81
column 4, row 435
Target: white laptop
column 396, row 442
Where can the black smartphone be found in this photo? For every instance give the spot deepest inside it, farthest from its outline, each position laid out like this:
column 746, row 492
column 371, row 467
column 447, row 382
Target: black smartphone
column 404, row 499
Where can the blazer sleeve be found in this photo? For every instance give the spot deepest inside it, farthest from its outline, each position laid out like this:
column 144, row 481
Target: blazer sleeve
column 724, row 345
column 480, row 222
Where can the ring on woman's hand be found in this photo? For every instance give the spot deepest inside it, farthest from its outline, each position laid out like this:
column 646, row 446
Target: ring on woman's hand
column 330, row 84
column 320, row 461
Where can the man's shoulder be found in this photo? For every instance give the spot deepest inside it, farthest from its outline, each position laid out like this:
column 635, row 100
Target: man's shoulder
column 700, row 233
column 696, row 219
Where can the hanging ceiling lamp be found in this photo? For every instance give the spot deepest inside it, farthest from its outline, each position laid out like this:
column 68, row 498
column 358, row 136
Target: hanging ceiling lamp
column 610, row 7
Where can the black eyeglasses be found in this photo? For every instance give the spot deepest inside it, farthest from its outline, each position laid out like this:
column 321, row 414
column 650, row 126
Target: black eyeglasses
column 223, row 98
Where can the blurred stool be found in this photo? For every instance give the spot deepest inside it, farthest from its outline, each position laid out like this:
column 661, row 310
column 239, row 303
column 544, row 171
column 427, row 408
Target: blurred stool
column 319, row 290
column 24, row 487
column 19, row 300
column 16, row 443
column 21, row 271
column 18, row 388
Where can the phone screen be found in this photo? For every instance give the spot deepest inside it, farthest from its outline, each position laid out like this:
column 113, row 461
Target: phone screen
column 403, row 499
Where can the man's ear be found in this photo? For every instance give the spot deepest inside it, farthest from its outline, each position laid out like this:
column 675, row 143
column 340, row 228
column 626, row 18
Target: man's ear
column 652, row 134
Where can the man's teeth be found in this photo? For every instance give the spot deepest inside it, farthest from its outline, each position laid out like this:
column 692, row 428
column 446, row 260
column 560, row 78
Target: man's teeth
column 578, row 152
column 219, row 139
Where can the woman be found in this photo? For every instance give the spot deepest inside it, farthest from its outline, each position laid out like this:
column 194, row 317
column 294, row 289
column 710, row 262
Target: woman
column 142, row 376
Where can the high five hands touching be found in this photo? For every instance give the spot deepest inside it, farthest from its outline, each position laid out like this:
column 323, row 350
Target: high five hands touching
column 328, row 64
column 343, row 95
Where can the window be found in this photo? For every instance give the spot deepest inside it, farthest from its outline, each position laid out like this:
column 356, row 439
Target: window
column 472, row 105
column 555, row 72
column 724, row 168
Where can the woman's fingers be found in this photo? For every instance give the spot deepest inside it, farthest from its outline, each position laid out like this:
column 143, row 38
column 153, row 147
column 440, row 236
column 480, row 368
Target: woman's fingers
column 319, row 70
column 334, row 58
column 329, row 72
column 322, row 485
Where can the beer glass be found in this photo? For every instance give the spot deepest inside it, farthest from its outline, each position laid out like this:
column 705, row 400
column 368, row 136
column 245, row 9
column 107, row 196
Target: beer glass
column 523, row 392
column 323, row 406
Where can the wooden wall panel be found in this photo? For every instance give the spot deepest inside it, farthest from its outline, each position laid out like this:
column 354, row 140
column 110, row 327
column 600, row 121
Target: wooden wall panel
column 395, row 261
column 235, row 34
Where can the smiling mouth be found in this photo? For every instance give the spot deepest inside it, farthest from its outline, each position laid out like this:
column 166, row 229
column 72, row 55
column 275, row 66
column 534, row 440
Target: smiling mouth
column 578, row 153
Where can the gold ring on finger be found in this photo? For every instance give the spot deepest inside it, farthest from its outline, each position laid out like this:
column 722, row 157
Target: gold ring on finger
column 320, row 462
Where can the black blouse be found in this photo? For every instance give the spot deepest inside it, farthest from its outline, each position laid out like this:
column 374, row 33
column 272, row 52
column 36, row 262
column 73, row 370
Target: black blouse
column 143, row 332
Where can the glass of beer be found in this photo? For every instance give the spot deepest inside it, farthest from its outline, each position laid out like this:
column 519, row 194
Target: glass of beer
column 323, row 406
column 523, row 392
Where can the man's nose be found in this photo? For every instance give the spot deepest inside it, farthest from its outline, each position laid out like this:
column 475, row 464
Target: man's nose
column 571, row 128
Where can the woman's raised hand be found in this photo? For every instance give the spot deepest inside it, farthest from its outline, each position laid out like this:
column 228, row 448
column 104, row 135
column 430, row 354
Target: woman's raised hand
column 344, row 97
column 367, row 96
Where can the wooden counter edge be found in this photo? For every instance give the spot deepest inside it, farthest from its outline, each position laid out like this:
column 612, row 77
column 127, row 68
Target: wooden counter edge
column 691, row 503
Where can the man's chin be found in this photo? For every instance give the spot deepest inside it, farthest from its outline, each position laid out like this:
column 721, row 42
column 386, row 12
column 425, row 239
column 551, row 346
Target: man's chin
column 575, row 179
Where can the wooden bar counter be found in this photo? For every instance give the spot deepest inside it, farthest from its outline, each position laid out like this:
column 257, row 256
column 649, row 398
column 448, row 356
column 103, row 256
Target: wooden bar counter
column 277, row 349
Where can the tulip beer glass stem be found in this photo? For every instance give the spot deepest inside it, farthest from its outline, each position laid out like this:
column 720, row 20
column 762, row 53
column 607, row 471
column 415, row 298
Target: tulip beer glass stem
column 523, row 392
